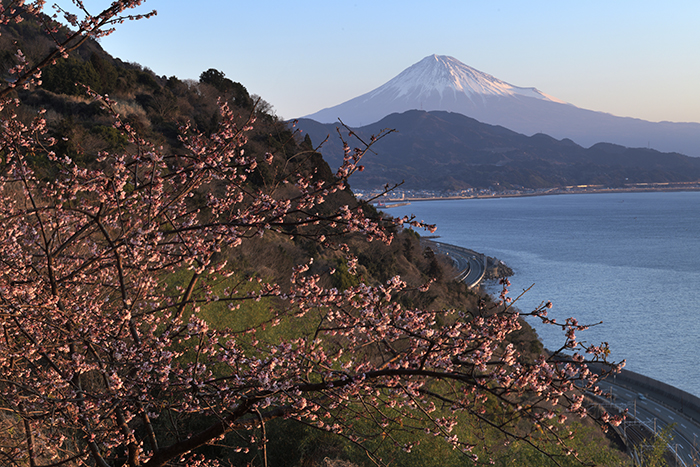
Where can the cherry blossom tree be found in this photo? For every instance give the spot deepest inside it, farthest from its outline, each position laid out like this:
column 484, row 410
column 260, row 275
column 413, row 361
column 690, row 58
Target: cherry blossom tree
column 106, row 360
column 89, row 27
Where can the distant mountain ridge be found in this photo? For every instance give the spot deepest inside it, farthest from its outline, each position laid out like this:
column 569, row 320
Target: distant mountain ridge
column 445, row 83
column 441, row 150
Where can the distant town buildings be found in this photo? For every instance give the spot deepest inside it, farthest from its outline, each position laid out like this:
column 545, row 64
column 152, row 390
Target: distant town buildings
column 492, row 192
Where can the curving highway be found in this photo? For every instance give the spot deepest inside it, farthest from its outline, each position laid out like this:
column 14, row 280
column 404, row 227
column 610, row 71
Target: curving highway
column 470, row 264
column 646, row 415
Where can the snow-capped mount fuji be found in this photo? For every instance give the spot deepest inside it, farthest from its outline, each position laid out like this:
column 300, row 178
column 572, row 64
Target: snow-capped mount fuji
column 444, row 83
column 437, row 82
column 442, row 78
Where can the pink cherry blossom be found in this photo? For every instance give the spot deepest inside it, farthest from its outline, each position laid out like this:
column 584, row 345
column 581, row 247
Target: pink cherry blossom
column 95, row 345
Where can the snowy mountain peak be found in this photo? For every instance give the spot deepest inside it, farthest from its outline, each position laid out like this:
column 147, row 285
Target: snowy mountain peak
column 437, row 82
column 441, row 73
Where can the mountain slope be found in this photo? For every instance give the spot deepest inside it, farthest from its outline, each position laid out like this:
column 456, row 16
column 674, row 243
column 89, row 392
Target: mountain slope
column 445, row 151
column 444, row 83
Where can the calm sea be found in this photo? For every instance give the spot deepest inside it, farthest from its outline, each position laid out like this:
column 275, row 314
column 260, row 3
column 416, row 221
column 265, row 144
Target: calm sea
column 630, row 260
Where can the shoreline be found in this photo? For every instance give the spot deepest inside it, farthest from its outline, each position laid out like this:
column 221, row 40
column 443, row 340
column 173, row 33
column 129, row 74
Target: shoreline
column 552, row 192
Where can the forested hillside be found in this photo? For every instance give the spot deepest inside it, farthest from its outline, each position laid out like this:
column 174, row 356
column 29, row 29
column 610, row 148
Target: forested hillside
column 185, row 281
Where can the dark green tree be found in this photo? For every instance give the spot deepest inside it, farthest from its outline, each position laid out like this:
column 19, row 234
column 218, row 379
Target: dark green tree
column 107, row 73
column 238, row 93
column 66, row 76
column 217, row 79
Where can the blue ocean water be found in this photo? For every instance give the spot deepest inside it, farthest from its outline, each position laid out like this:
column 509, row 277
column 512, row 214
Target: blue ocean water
column 630, row 260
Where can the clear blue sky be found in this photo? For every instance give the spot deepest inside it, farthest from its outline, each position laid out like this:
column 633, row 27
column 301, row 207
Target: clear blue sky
column 629, row 58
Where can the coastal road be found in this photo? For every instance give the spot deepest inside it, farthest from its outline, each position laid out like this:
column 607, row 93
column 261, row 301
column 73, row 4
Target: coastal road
column 644, row 410
column 470, row 264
